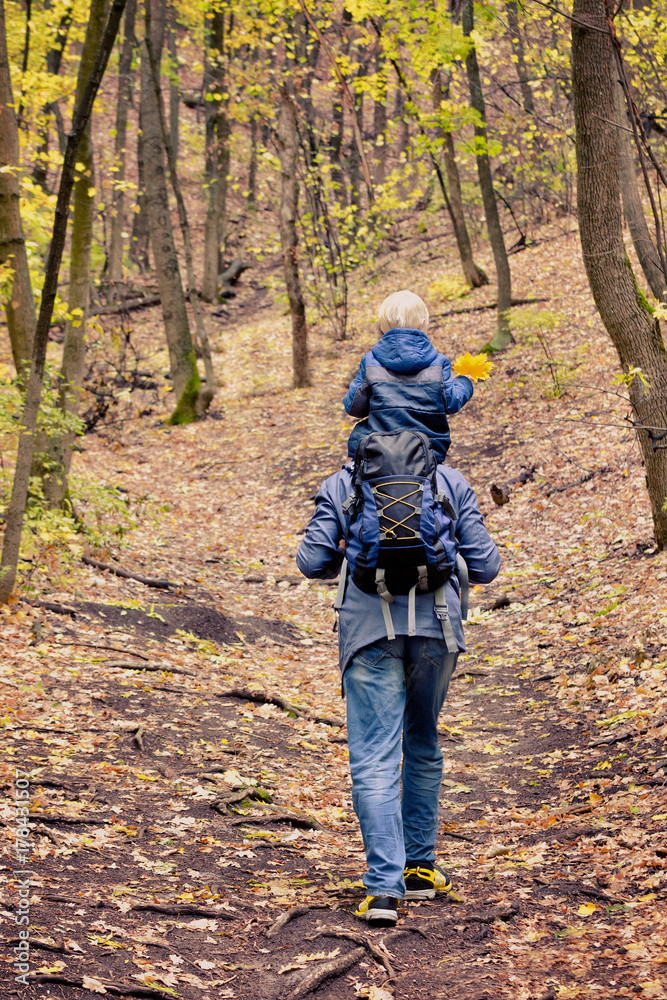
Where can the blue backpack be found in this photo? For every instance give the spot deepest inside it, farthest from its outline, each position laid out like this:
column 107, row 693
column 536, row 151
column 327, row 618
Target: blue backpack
column 399, row 530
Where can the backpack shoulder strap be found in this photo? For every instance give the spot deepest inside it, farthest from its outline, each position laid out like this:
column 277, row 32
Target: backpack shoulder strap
column 461, row 565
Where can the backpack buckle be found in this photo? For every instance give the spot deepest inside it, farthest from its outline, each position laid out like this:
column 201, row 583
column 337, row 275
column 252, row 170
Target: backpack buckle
column 349, row 503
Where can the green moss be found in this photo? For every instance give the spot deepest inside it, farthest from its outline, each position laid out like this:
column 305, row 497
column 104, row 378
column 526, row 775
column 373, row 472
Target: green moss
column 642, row 301
column 186, row 409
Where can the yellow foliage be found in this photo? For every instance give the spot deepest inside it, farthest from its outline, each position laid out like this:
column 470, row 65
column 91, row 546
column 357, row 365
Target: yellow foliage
column 477, row 368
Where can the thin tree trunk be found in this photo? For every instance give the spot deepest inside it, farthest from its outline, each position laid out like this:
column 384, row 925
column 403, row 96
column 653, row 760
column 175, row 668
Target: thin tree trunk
column 503, row 335
column 26, row 54
column 115, row 262
column 174, row 90
column 517, row 48
column 54, row 452
column 473, row 274
column 53, row 63
column 380, row 121
column 252, row 166
column 354, row 156
column 632, row 202
column 336, row 147
column 207, row 394
column 403, row 128
column 306, row 57
column 185, row 376
column 17, row 503
column 287, row 141
column 19, row 303
column 625, row 313
column 140, row 229
column 217, row 159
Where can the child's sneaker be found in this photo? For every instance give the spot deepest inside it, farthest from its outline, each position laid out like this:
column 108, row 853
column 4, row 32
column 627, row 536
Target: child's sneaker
column 423, row 879
column 379, row 910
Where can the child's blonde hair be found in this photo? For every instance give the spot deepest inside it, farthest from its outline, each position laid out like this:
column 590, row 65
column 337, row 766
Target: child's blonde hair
column 403, row 309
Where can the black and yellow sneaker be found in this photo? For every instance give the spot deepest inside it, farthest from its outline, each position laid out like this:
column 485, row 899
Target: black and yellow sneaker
column 382, row 911
column 423, row 879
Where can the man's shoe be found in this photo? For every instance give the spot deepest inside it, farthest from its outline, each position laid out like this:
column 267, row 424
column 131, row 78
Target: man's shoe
column 423, row 879
column 381, row 911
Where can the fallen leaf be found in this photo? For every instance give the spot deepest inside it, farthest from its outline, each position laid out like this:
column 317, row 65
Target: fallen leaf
column 94, row 985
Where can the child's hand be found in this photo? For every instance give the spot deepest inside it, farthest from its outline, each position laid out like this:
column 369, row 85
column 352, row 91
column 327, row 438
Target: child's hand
column 477, row 368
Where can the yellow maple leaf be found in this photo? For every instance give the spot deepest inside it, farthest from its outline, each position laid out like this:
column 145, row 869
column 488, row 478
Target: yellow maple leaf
column 477, row 368
column 586, row 909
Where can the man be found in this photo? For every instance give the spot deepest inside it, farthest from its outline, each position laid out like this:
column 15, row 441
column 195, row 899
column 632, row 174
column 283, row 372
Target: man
column 394, row 690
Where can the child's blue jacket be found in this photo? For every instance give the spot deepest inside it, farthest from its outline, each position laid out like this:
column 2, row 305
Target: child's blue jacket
column 403, row 383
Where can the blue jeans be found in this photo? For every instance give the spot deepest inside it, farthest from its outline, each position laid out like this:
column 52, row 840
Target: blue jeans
column 396, row 687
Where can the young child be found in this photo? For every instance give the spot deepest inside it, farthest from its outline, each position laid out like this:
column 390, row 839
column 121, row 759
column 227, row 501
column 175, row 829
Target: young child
column 403, row 383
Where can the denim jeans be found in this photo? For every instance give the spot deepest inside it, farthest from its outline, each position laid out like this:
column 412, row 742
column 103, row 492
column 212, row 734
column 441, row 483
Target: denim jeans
column 396, row 688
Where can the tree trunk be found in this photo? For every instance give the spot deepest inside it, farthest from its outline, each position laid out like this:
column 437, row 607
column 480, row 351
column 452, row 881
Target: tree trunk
column 185, row 376
column 140, row 229
column 17, row 503
column 19, row 303
column 354, row 156
column 53, row 454
column 26, row 56
column 403, row 128
column 252, row 166
column 207, row 394
column 53, row 62
column 380, row 121
column 217, row 159
column 503, row 335
column 336, row 147
column 115, row 262
column 287, row 141
column 174, row 91
column 625, row 313
column 473, row 274
column 517, row 48
column 632, row 202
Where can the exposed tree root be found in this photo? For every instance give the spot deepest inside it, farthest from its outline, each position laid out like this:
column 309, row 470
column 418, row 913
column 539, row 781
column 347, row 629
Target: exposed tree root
column 568, row 486
column 289, row 915
column 378, row 952
column 58, row 946
column 222, row 805
column 156, row 667
column 126, row 575
column 177, row 910
column 184, row 910
column 119, row 991
column 266, row 698
column 303, row 822
column 57, row 609
column 113, row 649
column 71, row 820
column 458, row 836
column 328, row 970
column 52, row 836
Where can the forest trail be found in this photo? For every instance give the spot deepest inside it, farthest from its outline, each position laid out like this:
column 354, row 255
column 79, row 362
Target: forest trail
column 177, row 819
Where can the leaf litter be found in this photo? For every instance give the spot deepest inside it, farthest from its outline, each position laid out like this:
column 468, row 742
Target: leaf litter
column 553, row 814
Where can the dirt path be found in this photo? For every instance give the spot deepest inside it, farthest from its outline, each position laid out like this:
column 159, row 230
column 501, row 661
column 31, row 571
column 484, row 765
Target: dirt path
column 180, row 811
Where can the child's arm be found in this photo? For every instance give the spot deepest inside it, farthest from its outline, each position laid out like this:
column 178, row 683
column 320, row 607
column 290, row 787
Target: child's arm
column 357, row 400
column 457, row 390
